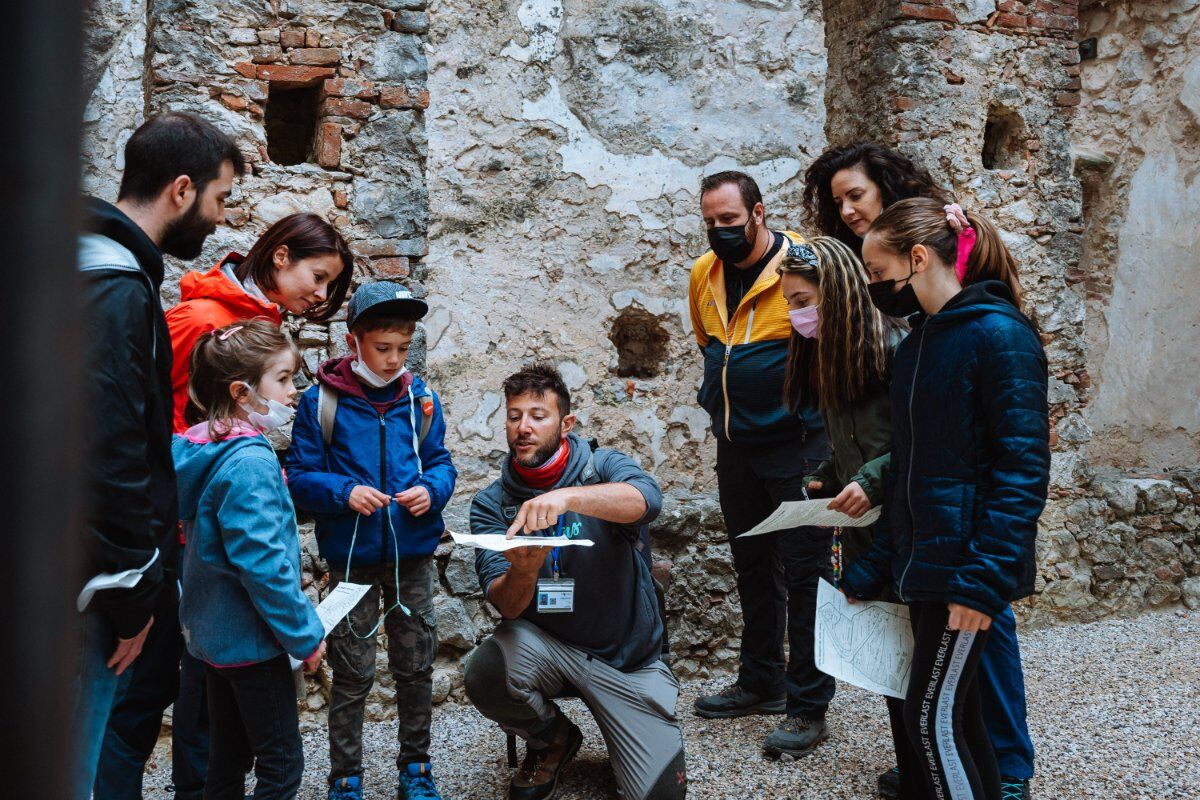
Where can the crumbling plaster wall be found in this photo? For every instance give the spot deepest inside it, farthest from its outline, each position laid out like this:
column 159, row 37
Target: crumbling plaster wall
column 567, row 141
column 1138, row 142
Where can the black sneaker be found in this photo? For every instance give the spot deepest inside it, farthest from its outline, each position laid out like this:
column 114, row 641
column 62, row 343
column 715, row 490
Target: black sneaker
column 889, row 783
column 1014, row 789
column 734, row 701
column 797, row 736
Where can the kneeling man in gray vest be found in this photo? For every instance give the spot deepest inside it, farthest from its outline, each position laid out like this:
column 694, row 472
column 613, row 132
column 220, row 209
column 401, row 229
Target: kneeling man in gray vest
column 578, row 621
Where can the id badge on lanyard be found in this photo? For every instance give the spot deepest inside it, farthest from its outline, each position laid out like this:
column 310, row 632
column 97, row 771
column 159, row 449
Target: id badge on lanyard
column 556, row 595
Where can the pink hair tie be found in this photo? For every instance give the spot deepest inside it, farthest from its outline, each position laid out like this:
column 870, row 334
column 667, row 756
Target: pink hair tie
column 227, row 333
column 966, row 243
column 957, row 220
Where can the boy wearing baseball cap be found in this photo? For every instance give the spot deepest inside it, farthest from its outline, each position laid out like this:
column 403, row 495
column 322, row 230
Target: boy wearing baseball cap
column 369, row 463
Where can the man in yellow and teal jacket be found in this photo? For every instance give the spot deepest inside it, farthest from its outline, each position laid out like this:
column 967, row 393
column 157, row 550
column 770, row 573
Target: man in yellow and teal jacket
column 764, row 451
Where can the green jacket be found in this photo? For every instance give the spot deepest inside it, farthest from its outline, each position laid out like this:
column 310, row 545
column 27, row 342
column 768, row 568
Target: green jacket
column 861, row 436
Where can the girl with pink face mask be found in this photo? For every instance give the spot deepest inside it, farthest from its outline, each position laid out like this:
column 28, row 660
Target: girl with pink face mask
column 838, row 360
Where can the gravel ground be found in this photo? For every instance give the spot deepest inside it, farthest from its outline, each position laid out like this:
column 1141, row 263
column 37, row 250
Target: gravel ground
column 1114, row 707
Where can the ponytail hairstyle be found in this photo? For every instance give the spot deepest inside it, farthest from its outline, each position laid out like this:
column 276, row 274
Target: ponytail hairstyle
column 897, row 177
column 852, row 352
column 923, row 221
column 306, row 236
column 237, row 353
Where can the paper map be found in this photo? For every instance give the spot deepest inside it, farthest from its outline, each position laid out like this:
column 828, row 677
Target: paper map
column 498, row 542
column 793, row 514
column 868, row 644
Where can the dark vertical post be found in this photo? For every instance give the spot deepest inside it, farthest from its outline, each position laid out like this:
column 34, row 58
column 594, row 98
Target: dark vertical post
column 39, row 165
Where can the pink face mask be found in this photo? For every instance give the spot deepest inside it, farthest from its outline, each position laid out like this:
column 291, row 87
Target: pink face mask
column 805, row 321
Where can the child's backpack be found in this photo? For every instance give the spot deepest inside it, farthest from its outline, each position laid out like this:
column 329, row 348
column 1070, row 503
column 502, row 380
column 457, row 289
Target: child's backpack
column 327, row 401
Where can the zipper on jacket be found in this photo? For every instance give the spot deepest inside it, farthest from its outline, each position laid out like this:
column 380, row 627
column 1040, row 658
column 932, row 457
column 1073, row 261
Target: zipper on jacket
column 725, row 366
column 386, row 510
column 912, row 522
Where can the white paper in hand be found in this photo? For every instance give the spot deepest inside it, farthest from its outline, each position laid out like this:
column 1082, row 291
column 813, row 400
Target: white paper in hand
column 868, row 644
column 336, row 605
column 500, row 543
column 797, row 513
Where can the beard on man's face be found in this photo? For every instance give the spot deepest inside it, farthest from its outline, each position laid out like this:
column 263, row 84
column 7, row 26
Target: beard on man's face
column 184, row 237
column 536, row 458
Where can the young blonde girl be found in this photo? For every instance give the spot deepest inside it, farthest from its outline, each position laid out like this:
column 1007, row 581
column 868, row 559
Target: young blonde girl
column 242, row 610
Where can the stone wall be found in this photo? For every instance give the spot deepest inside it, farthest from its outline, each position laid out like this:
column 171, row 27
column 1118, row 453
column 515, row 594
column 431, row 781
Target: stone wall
column 567, row 142
column 1136, row 141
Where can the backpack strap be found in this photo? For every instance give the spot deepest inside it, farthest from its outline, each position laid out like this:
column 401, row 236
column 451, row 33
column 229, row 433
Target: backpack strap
column 327, row 401
column 425, row 400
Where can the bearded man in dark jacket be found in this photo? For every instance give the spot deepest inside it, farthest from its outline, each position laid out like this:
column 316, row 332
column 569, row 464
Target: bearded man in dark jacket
column 178, row 172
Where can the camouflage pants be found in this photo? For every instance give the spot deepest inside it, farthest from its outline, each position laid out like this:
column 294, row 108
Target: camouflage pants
column 411, row 647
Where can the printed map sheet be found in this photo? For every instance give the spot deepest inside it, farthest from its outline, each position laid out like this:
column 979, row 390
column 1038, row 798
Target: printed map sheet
column 498, row 542
column 795, row 513
column 868, row 644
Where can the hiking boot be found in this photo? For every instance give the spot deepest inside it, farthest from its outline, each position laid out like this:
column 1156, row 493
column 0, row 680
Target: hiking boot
column 349, row 788
column 537, row 779
column 416, row 783
column 797, row 736
column 1014, row 789
column 734, row 701
column 889, row 783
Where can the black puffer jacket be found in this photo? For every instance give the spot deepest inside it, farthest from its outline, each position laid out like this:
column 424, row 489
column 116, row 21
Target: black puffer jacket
column 129, row 474
column 970, row 458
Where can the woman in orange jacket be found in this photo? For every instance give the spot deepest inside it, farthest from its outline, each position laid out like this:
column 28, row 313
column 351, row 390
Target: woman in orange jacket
column 300, row 265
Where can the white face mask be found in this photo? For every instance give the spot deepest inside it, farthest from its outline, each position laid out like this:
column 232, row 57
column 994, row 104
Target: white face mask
column 366, row 375
column 277, row 414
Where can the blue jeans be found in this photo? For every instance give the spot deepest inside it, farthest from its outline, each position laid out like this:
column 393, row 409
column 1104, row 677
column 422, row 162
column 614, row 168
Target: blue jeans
column 163, row 674
column 95, row 687
column 1002, row 692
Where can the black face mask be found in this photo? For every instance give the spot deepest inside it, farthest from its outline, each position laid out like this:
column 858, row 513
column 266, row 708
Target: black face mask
column 730, row 242
column 902, row 303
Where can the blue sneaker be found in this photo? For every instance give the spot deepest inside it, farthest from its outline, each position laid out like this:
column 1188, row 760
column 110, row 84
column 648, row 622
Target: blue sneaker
column 416, row 783
column 346, row 789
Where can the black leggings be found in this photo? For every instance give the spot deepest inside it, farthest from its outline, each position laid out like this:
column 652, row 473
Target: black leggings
column 942, row 746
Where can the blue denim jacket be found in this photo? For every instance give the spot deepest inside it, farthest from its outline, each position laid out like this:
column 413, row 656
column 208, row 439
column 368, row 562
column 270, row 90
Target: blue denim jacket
column 242, row 602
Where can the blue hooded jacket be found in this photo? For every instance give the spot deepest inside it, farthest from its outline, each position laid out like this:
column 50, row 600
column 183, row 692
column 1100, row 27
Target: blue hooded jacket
column 242, row 602
column 372, row 445
column 970, row 458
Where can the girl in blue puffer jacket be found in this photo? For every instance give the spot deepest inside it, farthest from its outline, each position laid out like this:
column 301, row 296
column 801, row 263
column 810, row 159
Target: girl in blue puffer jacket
column 969, row 474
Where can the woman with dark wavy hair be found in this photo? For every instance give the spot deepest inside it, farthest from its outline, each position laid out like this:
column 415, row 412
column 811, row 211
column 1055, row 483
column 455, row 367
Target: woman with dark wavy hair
column 848, row 186
column 845, row 190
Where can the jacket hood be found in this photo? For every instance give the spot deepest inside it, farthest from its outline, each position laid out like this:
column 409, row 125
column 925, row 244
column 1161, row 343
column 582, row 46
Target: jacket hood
column 108, row 220
column 577, row 465
column 216, row 285
column 976, row 300
column 337, row 373
column 197, row 459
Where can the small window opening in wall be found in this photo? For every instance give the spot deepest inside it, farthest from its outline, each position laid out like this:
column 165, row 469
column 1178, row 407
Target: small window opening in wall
column 291, row 122
column 641, row 343
column 1003, row 139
